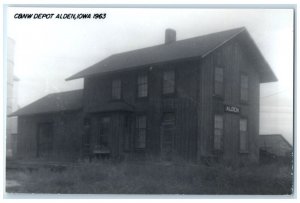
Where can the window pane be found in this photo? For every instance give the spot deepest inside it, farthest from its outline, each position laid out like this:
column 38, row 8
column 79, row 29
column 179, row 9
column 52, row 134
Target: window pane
column 142, row 84
column 243, row 134
column 244, row 94
column 219, row 81
column 169, row 75
column 244, row 87
column 116, row 89
column 142, row 79
column 141, row 124
column 126, row 142
column 142, row 91
column 141, row 141
column 219, row 121
column 243, row 141
column 243, row 125
column 218, row 88
column 218, row 132
column 217, row 142
column 244, row 81
column 169, row 117
column 219, row 74
column 141, row 138
column 168, row 82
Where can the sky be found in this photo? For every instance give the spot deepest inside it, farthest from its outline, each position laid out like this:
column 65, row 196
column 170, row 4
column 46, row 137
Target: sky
column 47, row 51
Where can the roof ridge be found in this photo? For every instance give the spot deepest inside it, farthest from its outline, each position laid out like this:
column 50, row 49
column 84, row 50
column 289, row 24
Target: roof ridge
column 195, row 47
column 182, row 40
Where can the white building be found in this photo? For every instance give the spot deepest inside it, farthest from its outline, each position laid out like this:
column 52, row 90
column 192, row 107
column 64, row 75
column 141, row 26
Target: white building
column 12, row 105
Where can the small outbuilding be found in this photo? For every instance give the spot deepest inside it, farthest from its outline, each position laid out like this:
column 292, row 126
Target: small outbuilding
column 274, row 147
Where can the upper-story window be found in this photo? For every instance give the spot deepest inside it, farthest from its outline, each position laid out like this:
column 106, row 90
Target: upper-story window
column 243, row 135
column 219, row 80
column 218, row 132
column 244, row 87
column 142, row 85
column 169, row 82
column 116, row 89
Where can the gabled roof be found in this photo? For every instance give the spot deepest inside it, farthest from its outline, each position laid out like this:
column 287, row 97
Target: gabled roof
column 178, row 50
column 56, row 102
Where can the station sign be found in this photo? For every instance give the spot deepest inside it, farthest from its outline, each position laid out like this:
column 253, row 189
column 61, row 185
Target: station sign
column 231, row 109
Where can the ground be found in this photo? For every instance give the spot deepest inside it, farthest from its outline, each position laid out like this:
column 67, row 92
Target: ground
column 149, row 178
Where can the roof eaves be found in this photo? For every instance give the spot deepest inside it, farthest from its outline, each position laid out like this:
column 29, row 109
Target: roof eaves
column 42, row 113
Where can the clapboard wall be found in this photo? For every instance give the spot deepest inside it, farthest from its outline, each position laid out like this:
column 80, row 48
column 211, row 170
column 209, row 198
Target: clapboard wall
column 67, row 132
column 184, row 103
column 233, row 58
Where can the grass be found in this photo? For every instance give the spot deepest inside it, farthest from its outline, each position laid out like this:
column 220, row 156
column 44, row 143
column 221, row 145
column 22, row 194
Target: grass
column 153, row 178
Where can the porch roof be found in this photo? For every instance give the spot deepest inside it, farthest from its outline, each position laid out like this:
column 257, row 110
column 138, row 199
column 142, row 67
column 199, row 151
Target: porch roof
column 110, row 107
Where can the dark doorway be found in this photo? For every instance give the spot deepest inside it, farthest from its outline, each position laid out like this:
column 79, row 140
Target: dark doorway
column 167, row 136
column 45, row 139
column 102, row 148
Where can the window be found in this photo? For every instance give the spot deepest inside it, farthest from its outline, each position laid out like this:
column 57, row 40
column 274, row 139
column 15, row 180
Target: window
column 126, row 133
column 169, row 82
column 141, row 128
column 169, row 118
column 218, row 132
column 219, row 81
column 116, row 89
column 243, row 135
column 244, row 88
column 103, row 132
column 142, row 83
column 87, row 122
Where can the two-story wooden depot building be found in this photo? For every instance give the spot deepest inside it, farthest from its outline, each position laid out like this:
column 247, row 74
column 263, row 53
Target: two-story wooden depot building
column 190, row 99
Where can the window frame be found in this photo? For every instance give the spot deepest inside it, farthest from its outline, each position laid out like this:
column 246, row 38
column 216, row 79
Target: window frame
column 102, row 133
column 246, row 150
column 138, row 85
column 215, row 94
column 166, row 94
column 163, row 121
column 242, row 100
column 127, row 133
column 222, row 135
column 138, row 130
column 112, row 89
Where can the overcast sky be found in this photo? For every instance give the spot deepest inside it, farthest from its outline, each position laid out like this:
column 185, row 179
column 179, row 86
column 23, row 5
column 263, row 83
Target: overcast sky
column 48, row 51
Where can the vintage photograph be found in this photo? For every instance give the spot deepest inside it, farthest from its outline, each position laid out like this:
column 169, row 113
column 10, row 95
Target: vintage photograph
column 194, row 101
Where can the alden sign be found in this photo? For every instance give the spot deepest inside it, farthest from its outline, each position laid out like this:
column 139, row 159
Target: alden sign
column 232, row 109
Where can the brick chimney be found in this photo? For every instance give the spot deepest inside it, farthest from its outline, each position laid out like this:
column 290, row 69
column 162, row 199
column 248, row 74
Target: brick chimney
column 170, row 36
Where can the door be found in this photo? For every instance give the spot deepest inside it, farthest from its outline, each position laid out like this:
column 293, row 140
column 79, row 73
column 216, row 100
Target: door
column 167, row 136
column 45, row 140
column 102, row 143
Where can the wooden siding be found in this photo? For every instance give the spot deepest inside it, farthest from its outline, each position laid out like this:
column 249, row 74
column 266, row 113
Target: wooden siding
column 234, row 61
column 67, row 131
column 183, row 103
column 193, row 105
